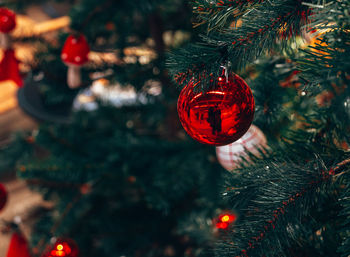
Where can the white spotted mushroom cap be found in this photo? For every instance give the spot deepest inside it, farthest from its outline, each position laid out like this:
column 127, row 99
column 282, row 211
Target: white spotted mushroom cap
column 75, row 50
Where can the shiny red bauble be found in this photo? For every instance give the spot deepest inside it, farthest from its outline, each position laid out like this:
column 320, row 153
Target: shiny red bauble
column 3, row 196
column 63, row 248
column 7, row 20
column 219, row 116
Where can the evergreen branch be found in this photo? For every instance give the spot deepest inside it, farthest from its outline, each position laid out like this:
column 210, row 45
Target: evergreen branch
column 94, row 12
column 344, row 248
column 217, row 15
column 51, row 172
column 325, row 67
column 277, row 213
column 51, row 184
column 270, row 23
column 276, row 200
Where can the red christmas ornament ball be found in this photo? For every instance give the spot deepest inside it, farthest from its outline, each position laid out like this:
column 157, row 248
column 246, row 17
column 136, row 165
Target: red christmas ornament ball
column 63, row 248
column 3, row 196
column 7, row 20
column 219, row 116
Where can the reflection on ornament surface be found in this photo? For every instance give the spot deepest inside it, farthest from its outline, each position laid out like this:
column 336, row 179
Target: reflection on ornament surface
column 221, row 115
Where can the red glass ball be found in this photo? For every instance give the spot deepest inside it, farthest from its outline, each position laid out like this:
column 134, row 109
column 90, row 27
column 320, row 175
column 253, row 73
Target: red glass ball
column 219, row 116
column 7, row 20
column 63, row 248
column 3, row 196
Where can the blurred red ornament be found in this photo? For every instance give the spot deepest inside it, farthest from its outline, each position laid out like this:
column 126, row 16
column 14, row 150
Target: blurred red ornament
column 75, row 50
column 75, row 54
column 18, row 246
column 220, row 116
column 225, row 220
column 9, row 64
column 7, row 20
column 292, row 80
column 30, row 140
column 85, row 189
column 131, row 179
column 9, row 68
column 63, row 248
column 3, row 196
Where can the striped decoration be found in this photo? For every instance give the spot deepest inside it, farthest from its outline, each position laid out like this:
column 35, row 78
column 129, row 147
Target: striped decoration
column 229, row 156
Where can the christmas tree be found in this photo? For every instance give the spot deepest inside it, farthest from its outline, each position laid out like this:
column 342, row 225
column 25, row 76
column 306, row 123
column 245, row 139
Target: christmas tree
column 124, row 178
column 293, row 200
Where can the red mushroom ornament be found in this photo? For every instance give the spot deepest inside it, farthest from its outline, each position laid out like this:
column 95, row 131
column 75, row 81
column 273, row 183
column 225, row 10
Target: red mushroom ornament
column 7, row 24
column 75, row 54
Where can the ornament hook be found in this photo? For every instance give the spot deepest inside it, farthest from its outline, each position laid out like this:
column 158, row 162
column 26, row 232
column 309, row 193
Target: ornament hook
column 224, row 72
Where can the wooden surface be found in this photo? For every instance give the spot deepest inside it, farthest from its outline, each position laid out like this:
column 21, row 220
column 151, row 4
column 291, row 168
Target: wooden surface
column 22, row 203
column 12, row 118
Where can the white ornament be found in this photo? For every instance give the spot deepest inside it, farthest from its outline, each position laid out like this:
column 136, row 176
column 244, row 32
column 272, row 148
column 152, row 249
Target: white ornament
column 231, row 155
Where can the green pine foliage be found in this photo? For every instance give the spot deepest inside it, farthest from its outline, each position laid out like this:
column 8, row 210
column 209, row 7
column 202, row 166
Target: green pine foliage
column 123, row 195
column 293, row 200
column 127, row 182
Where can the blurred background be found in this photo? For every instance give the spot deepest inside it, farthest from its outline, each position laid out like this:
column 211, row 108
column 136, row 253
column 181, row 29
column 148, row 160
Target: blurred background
column 94, row 160
column 107, row 162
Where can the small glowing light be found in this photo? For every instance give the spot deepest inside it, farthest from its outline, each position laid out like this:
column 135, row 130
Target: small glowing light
column 60, row 247
column 225, row 218
column 222, row 225
column 217, row 93
column 221, row 78
column 58, row 253
column 303, row 93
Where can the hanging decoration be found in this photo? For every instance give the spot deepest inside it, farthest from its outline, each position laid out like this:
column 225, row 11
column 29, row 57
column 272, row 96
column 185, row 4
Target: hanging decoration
column 75, row 54
column 3, row 196
column 219, row 116
column 230, row 156
column 9, row 64
column 7, row 24
column 9, row 68
column 18, row 246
